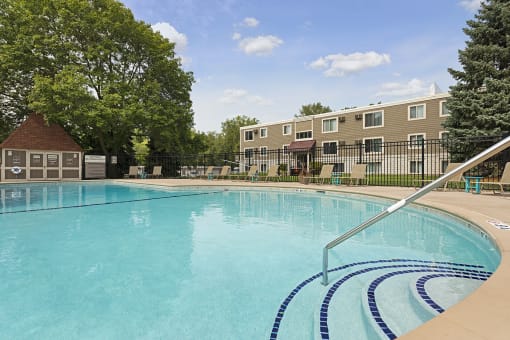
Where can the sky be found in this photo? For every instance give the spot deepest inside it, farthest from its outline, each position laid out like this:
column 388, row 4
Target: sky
column 267, row 58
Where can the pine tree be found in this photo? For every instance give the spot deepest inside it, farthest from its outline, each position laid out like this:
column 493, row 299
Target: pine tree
column 480, row 101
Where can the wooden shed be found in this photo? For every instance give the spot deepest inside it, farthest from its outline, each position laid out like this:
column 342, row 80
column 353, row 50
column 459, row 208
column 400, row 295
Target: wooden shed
column 40, row 151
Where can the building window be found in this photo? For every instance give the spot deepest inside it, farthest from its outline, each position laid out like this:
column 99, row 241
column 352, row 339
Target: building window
column 263, row 150
column 443, row 135
column 285, row 148
column 373, row 145
column 248, row 152
column 416, row 140
column 329, row 125
column 248, row 135
column 374, row 167
column 329, row 148
column 415, row 167
column 443, row 109
column 339, row 167
column 304, row 135
column 263, row 167
column 417, row 112
column 263, row 132
column 444, row 165
column 373, row 119
column 287, row 129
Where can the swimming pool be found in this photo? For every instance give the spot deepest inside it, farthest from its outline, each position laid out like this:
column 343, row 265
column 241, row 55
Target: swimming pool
column 82, row 260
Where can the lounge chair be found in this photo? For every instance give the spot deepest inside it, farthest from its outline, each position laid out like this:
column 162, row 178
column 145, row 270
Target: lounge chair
column 251, row 172
column 208, row 172
column 358, row 174
column 156, row 172
column 326, row 171
column 457, row 181
column 272, row 173
column 225, row 172
column 133, row 171
column 504, row 180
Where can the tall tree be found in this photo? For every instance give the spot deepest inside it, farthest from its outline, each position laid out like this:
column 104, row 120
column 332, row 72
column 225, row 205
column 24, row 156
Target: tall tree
column 480, row 100
column 90, row 66
column 312, row 109
column 230, row 132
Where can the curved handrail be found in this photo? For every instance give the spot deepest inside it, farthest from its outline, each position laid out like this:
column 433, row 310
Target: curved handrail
column 482, row 156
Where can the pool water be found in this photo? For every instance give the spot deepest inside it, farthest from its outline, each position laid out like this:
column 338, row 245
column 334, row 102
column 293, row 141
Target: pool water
column 114, row 261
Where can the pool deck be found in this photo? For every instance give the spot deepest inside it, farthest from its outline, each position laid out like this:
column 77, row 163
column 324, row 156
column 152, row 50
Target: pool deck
column 483, row 314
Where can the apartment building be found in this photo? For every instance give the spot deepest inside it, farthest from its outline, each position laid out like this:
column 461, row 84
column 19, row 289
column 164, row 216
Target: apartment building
column 371, row 127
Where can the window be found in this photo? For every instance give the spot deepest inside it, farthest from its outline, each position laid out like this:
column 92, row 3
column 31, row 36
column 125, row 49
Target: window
column 443, row 135
column 287, row 129
column 373, row 144
column 248, row 135
column 415, row 167
column 285, row 148
column 417, row 112
column 263, row 132
column 416, row 140
column 329, row 125
column 374, row 167
column 444, row 165
column 263, row 150
column 248, row 152
column 263, row 167
column 304, row 135
column 329, row 148
column 339, row 167
column 373, row 119
column 443, row 109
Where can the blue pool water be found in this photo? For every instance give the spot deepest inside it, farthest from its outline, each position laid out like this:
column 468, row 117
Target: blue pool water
column 113, row 261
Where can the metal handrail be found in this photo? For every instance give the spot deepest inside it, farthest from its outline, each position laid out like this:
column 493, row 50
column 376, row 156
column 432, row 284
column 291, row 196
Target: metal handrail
column 488, row 153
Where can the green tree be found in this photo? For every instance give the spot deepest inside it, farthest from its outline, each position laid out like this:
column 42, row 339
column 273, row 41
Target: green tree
column 91, row 67
column 313, row 109
column 229, row 138
column 480, row 100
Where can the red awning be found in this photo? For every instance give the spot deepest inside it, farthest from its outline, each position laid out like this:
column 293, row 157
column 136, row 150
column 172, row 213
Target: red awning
column 304, row 145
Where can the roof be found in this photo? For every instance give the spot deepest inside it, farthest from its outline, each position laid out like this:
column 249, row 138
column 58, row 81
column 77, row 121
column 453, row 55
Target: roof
column 303, row 145
column 35, row 134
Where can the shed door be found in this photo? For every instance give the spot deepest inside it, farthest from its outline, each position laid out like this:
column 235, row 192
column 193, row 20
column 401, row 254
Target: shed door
column 36, row 165
column 52, row 165
column 44, row 165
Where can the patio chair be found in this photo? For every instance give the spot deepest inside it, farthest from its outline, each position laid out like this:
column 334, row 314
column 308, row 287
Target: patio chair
column 225, row 172
column 458, row 181
column 358, row 175
column 326, row 171
column 272, row 173
column 504, row 180
column 156, row 172
column 133, row 171
column 251, row 172
column 208, row 172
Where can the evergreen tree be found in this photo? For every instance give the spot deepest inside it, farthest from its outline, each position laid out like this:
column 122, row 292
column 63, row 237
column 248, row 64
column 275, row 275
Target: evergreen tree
column 480, row 101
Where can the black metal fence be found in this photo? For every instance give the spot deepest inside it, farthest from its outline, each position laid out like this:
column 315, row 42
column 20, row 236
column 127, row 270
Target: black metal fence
column 404, row 163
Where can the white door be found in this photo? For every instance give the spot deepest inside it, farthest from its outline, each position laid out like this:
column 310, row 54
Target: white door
column 45, row 165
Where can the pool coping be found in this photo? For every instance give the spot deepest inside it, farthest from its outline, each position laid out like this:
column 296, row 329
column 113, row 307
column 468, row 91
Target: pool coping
column 483, row 314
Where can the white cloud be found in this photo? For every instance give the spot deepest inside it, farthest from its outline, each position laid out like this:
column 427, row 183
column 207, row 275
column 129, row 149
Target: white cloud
column 471, row 5
column 338, row 65
column 250, row 22
column 413, row 87
column 169, row 32
column 236, row 36
column 261, row 45
column 241, row 96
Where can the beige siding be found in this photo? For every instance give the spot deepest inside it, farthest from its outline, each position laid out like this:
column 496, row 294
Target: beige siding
column 397, row 126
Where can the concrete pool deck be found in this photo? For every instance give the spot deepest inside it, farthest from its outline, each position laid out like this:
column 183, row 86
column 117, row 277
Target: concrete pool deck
column 483, row 314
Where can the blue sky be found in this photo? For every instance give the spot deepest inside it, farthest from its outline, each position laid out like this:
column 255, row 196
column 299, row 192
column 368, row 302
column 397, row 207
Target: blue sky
column 265, row 59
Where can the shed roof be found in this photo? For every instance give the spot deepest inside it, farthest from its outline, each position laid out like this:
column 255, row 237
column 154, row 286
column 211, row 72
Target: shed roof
column 35, row 134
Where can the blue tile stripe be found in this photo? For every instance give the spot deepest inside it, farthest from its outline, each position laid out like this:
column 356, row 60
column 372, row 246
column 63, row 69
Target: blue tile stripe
column 374, row 310
column 420, row 286
column 283, row 307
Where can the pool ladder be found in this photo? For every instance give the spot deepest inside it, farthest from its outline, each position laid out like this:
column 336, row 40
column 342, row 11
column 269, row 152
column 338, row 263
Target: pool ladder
column 482, row 156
